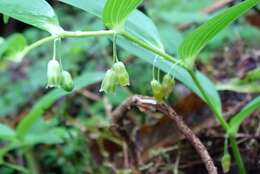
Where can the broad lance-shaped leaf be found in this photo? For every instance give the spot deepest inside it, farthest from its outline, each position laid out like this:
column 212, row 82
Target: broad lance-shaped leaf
column 116, row 11
column 6, row 133
column 236, row 121
column 195, row 42
column 37, row 13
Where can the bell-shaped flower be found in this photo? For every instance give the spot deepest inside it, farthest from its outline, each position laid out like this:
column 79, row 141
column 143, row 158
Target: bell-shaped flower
column 167, row 85
column 109, row 82
column 157, row 90
column 122, row 75
column 54, row 73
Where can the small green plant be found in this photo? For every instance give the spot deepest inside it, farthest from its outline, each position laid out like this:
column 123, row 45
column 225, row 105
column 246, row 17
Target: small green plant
column 136, row 33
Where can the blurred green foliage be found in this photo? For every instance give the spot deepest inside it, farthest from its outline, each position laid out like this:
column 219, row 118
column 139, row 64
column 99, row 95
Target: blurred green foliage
column 23, row 83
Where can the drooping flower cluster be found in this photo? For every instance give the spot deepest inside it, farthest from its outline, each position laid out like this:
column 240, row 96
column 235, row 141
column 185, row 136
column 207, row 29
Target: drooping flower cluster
column 57, row 77
column 117, row 75
column 162, row 90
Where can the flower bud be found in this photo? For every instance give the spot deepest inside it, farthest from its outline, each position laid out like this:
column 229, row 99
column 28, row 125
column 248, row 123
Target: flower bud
column 226, row 162
column 167, row 84
column 66, row 81
column 53, row 73
column 122, row 76
column 109, row 82
column 157, row 90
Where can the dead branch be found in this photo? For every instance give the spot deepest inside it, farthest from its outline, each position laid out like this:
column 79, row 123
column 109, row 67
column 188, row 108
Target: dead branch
column 149, row 104
column 89, row 94
column 216, row 6
column 208, row 10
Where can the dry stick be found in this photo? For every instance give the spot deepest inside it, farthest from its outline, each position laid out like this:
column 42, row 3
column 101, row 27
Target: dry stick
column 149, row 104
column 187, row 132
column 216, row 6
column 89, row 95
column 208, row 10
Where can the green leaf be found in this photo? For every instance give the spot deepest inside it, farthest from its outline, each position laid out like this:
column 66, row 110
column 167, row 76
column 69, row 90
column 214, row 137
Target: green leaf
column 236, row 121
column 137, row 24
column 253, row 75
column 250, row 83
column 37, row 13
column 197, row 40
column 238, row 85
column 45, row 133
column 6, row 133
column 49, row 136
column 211, row 91
column 12, row 48
column 116, row 11
column 46, row 101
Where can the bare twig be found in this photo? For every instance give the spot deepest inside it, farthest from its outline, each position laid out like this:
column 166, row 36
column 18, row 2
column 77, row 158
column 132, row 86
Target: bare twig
column 149, row 104
column 208, row 10
column 108, row 107
column 89, row 95
column 216, row 6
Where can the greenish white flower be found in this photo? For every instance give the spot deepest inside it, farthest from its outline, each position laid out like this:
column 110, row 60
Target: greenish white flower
column 109, row 82
column 122, row 75
column 167, row 85
column 157, row 90
column 53, row 73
